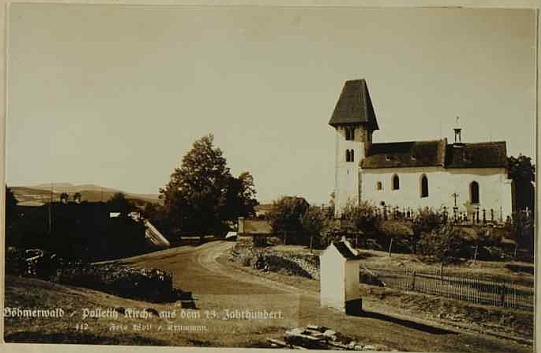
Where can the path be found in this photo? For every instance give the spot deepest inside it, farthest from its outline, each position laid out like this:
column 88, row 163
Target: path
column 216, row 284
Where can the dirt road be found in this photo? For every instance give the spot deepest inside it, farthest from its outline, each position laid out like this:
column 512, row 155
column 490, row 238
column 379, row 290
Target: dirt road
column 219, row 286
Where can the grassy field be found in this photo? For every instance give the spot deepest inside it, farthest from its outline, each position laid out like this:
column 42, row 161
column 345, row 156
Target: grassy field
column 497, row 270
column 449, row 312
column 195, row 329
column 218, row 286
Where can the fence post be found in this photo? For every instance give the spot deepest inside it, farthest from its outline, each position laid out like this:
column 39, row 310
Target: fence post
column 413, row 282
column 390, row 247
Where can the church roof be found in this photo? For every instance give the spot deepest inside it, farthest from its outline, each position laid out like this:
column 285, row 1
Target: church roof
column 477, row 155
column 436, row 153
column 354, row 106
column 405, row 154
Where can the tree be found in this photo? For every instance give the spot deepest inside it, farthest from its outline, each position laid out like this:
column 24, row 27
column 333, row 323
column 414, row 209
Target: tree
column 64, row 197
column 285, row 215
column 313, row 223
column 154, row 213
column 332, row 203
column 239, row 198
column 11, row 207
column 119, row 203
column 521, row 168
column 445, row 243
column 522, row 172
column 363, row 216
column 196, row 193
column 425, row 221
column 522, row 226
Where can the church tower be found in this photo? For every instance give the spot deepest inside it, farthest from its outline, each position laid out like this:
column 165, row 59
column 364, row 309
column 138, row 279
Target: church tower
column 354, row 121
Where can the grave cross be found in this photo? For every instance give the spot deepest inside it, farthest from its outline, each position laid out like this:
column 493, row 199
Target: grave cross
column 455, row 196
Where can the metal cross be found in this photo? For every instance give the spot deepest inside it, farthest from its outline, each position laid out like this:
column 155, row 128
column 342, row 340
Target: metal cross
column 455, row 196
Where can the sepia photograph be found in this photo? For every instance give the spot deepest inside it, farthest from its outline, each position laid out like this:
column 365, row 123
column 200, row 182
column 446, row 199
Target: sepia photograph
column 279, row 177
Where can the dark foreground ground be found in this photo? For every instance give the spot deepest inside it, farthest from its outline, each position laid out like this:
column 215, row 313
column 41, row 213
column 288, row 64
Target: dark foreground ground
column 222, row 289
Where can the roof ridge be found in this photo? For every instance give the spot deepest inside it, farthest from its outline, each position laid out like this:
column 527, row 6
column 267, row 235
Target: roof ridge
column 387, row 143
column 481, row 143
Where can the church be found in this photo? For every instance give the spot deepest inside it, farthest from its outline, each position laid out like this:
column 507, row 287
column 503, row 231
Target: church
column 467, row 180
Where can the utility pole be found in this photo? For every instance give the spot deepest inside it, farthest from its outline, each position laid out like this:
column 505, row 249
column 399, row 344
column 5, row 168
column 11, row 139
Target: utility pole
column 50, row 218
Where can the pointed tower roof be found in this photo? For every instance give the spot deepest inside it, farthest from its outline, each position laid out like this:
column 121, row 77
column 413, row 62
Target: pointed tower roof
column 354, row 106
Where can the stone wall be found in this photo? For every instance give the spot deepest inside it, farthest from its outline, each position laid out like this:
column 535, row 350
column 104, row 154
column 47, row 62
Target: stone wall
column 270, row 260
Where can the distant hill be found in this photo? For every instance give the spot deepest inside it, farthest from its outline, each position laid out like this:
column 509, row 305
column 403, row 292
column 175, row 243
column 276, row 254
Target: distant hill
column 40, row 194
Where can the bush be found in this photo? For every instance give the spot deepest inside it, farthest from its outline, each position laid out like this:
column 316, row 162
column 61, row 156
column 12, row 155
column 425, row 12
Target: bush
column 367, row 277
column 445, row 243
column 401, row 233
column 146, row 284
column 425, row 221
column 489, row 253
column 363, row 216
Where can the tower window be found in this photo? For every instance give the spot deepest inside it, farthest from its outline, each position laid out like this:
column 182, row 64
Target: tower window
column 424, row 186
column 350, row 133
column 379, row 186
column 474, row 192
column 396, row 182
column 350, row 156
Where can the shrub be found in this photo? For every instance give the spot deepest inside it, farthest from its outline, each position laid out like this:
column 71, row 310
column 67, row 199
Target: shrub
column 425, row 221
column 363, row 216
column 146, row 284
column 489, row 236
column 445, row 243
column 401, row 233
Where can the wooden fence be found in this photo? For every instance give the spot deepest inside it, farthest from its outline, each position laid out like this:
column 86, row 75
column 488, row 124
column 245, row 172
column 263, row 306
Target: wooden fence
column 466, row 288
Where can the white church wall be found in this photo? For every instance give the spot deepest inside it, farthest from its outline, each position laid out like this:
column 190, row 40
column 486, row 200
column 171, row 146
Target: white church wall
column 494, row 189
column 347, row 179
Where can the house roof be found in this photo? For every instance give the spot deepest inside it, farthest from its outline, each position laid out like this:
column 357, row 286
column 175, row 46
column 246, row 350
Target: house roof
column 354, row 106
column 257, row 227
column 436, row 153
column 476, row 155
column 405, row 154
column 344, row 250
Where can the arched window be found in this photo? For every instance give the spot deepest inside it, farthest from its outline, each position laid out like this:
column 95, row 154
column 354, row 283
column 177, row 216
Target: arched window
column 350, row 157
column 350, row 133
column 379, row 186
column 474, row 192
column 424, row 186
column 396, row 182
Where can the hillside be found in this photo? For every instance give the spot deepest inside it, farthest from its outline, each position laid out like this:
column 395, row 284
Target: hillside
column 34, row 293
column 41, row 194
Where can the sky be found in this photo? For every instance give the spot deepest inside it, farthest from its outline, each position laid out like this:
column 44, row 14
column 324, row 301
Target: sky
column 115, row 95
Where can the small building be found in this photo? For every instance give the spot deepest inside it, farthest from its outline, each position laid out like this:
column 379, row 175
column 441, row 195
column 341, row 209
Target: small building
column 339, row 277
column 254, row 230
